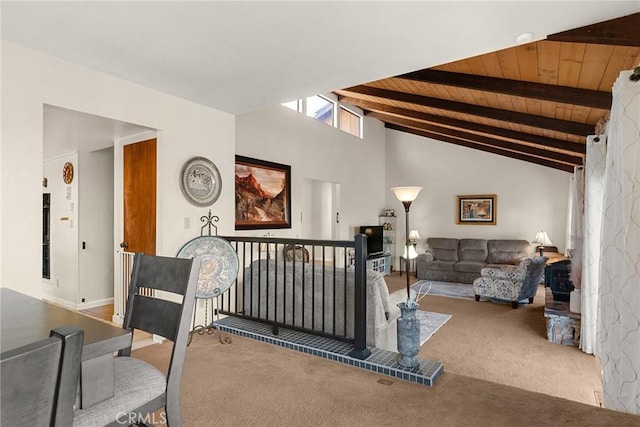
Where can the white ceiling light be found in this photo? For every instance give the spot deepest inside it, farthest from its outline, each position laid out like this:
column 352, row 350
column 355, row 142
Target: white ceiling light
column 524, row 38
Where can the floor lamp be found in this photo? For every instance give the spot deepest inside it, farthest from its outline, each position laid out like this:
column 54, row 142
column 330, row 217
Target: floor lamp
column 407, row 195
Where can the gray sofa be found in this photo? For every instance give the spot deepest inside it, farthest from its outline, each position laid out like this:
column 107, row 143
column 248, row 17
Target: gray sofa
column 460, row 260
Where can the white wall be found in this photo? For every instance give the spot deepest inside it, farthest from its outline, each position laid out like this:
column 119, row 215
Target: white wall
column 81, row 212
column 530, row 197
column 319, row 152
column 95, row 227
column 63, row 283
column 30, row 80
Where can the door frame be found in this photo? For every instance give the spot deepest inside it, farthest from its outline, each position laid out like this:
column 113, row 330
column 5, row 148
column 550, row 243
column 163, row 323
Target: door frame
column 118, row 209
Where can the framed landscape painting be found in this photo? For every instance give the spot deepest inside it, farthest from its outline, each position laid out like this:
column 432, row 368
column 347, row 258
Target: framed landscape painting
column 263, row 194
column 476, row 209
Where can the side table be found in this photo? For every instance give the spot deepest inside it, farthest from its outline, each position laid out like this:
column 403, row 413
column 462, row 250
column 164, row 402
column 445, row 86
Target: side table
column 563, row 327
column 403, row 265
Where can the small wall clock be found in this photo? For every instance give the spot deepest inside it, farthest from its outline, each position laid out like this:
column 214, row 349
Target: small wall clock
column 67, row 173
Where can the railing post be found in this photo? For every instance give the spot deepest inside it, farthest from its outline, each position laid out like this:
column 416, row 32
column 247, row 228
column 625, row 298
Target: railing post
column 360, row 350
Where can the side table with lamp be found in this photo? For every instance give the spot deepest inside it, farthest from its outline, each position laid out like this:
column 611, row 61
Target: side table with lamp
column 542, row 240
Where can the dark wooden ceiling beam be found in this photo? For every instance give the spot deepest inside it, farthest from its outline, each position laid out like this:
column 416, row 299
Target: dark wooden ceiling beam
column 485, row 140
column 563, row 94
column 623, row 31
column 476, row 110
column 575, row 147
column 506, row 153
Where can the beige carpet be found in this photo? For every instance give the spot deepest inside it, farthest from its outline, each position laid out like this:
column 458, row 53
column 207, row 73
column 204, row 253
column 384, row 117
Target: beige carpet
column 494, row 342
column 493, row 356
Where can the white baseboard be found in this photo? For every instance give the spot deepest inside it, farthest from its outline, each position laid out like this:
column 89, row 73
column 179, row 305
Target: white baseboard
column 60, row 301
column 93, row 304
column 71, row 306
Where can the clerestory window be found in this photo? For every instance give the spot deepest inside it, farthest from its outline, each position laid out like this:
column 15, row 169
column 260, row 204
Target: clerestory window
column 328, row 111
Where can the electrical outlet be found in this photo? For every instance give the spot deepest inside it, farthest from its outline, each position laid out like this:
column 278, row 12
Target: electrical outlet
column 82, row 299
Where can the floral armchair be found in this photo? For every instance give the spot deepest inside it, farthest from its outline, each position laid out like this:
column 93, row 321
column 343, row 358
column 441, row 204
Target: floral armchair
column 511, row 282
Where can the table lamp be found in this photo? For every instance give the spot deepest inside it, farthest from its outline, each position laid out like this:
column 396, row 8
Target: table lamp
column 542, row 240
column 413, row 237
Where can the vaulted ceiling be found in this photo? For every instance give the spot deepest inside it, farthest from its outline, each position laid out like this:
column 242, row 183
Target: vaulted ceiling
column 534, row 102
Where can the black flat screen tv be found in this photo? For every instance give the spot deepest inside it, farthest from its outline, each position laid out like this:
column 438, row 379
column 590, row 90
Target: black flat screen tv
column 375, row 238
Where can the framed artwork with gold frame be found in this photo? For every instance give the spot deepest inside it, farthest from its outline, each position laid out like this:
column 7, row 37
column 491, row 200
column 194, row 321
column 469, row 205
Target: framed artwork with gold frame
column 476, row 209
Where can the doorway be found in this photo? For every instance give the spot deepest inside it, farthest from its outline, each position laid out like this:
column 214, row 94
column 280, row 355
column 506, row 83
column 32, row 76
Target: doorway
column 320, row 210
column 82, row 230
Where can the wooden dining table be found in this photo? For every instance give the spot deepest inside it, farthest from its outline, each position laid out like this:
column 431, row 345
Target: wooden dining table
column 26, row 320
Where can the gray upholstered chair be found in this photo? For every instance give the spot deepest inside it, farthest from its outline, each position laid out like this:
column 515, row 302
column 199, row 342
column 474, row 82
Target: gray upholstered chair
column 511, row 282
column 141, row 389
column 40, row 380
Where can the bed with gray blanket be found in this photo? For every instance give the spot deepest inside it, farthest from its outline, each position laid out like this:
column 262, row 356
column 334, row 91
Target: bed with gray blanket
column 306, row 295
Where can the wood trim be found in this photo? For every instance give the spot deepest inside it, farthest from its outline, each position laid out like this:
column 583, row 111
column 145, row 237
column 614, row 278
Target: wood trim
column 579, row 149
column 531, row 159
column 542, row 122
column 547, row 92
column 623, row 31
column 485, row 140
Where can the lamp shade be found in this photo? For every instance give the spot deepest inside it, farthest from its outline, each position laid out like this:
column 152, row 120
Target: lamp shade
column 542, row 239
column 406, row 194
column 414, row 235
column 412, row 252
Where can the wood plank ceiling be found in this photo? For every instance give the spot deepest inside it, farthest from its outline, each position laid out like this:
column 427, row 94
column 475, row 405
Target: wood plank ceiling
column 534, row 102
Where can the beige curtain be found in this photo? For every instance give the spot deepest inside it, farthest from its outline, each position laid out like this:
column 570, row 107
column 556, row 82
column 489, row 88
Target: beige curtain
column 618, row 324
column 593, row 209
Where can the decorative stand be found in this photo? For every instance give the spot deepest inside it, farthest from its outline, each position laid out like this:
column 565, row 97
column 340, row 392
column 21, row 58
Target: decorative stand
column 408, row 336
column 207, row 294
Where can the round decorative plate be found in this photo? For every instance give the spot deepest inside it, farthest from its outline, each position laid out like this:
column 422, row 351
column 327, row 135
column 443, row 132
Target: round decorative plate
column 219, row 267
column 67, row 173
column 200, row 181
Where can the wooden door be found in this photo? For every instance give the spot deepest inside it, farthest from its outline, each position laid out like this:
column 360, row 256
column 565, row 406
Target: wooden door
column 139, row 179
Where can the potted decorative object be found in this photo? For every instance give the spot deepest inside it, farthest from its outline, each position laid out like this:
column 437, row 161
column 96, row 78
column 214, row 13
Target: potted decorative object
column 408, row 324
column 408, row 334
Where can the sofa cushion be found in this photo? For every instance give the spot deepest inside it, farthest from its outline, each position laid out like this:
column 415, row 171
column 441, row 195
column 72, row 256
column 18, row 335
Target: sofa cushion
column 440, row 265
column 507, row 251
column 472, row 250
column 469, row 266
column 443, row 249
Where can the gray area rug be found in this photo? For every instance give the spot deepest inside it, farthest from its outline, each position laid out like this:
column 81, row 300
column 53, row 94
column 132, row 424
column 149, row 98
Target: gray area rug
column 430, row 322
column 445, row 289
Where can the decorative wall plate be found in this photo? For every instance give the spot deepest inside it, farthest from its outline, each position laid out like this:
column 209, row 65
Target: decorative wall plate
column 67, row 173
column 219, row 267
column 200, row 181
